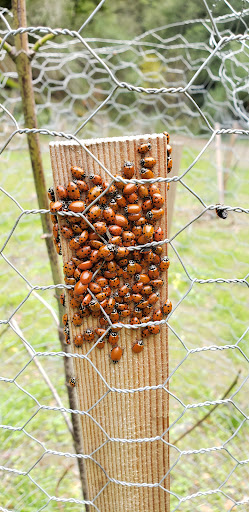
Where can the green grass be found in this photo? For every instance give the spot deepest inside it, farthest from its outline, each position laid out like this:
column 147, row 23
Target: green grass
column 211, row 314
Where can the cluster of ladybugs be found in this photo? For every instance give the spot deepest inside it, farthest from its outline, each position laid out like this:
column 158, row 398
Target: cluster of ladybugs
column 107, row 278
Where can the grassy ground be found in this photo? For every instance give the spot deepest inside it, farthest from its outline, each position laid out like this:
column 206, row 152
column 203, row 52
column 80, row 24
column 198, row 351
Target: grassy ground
column 211, row 314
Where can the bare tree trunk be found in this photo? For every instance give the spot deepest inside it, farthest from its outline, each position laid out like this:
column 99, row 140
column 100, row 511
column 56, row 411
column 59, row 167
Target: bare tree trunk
column 23, row 64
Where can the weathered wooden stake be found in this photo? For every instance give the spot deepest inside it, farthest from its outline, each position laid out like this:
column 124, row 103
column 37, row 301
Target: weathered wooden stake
column 113, row 414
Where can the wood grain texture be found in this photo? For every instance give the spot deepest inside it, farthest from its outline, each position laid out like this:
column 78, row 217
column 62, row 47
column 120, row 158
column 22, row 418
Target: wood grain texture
column 129, row 415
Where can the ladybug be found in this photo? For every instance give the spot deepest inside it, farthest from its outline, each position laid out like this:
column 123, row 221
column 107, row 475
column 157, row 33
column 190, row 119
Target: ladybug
column 82, row 185
column 100, row 344
column 147, row 289
column 54, row 219
column 69, row 280
column 121, row 220
column 116, row 354
column 51, row 195
column 79, row 288
column 158, row 235
column 109, row 215
column 135, row 320
column 86, row 277
column 138, row 312
column 83, row 237
column 62, row 299
column 155, row 214
column 100, row 332
column 132, row 209
column 158, row 200
column 112, row 190
column 78, row 172
column 153, row 298
column 94, row 213
column 137, row 297
column 169, row 164
column 65, row 319
column 78, row 340
column 128, row 170
column 94, row 305
column 157, row 315
column 106, row 252
column 77, row 319
column 84, row 311
column 132, row 267
column 114, row 282
column 167, row 307
column 94, row 255
column 138, row 347
column 147, row 205
column 129, row 189
column 76, row 229
column 96, row 179
column 66, row 330
column 93, row 193
column 146, row 174
column 87, row 299
column 61, row 192
column 221, row 212
column 77, row 274
column 77, row 207
column 121, row 201
column 73, row 191
column 113, row 204
column 148, row 162
column 144, row 278
column 132, row 198
column 67, row 338
column 144, row 148
column 95, row 288
column 114, row 316
column 154, row 329
column 143, row 191
column 113, row 338
column 89, row 335
column 164, row 263
column 72, row 382
column 167, row 136
column 145, row 332
column 100, row 227
column 103, row 321
column 153, row 272
column 55, row 206
column 148, row 231
column 69, row 268
column 67, row 232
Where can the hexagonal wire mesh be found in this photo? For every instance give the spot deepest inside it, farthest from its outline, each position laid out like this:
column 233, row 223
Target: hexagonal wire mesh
column 160, row 79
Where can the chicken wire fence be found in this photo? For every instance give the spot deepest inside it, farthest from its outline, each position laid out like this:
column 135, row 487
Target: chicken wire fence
column 88, row 87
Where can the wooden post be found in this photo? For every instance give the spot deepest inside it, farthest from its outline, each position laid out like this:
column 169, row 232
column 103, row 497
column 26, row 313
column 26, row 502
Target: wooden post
column 121, row 415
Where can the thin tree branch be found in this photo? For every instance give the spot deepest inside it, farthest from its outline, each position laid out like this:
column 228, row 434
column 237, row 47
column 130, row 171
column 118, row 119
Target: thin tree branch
column 199, row 422
column 9, row 49
column 60, row 506
column 41, row 42
column 43, row 373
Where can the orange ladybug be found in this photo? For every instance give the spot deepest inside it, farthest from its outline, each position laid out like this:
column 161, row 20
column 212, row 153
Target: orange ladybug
column 116, row 354
column 138, row 347
column 167, row 307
